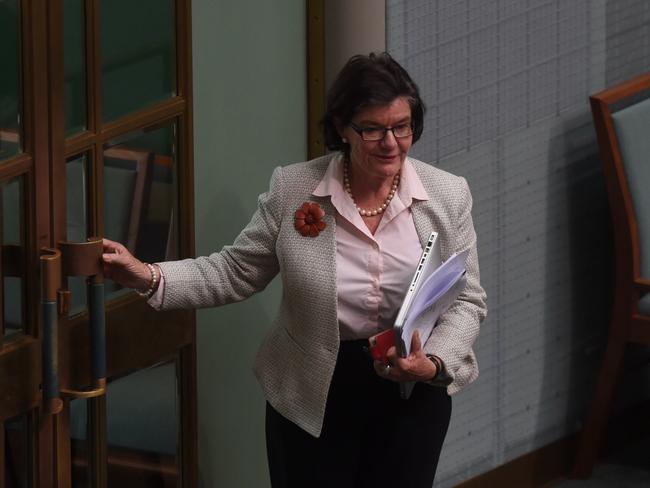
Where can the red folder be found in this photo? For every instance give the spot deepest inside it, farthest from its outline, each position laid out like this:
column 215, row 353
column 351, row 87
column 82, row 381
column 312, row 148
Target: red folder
column 381, row 343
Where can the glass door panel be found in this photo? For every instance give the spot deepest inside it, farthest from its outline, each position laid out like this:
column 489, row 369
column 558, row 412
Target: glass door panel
column 138, row 54
column 143, row 429
column 74, row 66
column 17, row 452
column 12, row 251
column 77, row 198
column 10, row 83
column 140, row 194
column 79, row 444
column 77, row 222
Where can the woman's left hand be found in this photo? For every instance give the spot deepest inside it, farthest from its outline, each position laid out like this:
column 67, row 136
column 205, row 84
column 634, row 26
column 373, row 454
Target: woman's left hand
column 415, row 367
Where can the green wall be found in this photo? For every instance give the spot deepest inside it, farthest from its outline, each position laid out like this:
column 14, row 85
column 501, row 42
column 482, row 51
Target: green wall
column 249, row 116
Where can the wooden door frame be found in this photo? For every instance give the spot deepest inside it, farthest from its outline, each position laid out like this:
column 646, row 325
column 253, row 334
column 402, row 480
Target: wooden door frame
column 33, row 166
column 42, row 163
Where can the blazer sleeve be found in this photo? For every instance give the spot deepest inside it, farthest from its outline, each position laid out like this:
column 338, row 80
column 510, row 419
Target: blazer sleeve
column 452, row 339
column 237, row 271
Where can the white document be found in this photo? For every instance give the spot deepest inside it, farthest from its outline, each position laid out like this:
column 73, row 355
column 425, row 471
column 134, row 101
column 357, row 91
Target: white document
column 434, row 297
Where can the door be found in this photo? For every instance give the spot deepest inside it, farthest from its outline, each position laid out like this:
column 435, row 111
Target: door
column 96, row 389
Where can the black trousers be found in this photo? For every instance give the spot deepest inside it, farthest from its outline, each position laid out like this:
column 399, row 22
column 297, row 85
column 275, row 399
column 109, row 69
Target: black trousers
column 370, row 437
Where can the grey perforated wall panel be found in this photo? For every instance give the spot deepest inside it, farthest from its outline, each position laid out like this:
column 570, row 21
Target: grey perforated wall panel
column 506, row 84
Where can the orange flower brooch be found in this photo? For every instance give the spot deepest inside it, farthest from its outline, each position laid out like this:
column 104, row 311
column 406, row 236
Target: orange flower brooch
column 309, row 219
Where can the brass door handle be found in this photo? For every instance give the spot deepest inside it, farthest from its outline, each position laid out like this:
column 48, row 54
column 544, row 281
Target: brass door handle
column 50, row 261
column 85, row 259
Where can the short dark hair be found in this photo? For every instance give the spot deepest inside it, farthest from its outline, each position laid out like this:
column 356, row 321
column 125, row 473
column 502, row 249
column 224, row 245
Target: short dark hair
column 375, row 79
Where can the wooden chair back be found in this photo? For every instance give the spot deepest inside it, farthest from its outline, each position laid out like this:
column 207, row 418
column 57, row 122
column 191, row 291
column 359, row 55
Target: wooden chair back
column 624, row 140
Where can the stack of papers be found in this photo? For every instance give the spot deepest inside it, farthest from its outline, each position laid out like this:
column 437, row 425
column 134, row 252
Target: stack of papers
column 433, row 297
column 429, row 296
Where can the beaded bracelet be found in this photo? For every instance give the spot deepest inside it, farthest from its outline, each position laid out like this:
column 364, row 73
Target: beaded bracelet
column 154, row 281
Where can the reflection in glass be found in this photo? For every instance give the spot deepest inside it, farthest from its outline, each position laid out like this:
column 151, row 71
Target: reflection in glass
column 9, row 78
column 140, row 194
column 143, row 428
column 12, row 252
column 77, row 225
column 138, row 55
column 17, row 453
column 79, row 443
column 74, row 66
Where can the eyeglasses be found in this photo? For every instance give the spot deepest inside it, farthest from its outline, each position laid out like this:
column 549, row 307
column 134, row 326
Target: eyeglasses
column 378, row 133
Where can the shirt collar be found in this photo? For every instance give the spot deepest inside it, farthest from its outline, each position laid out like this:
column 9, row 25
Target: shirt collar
column 332, row 181
column 332, row 185
column 410, row 187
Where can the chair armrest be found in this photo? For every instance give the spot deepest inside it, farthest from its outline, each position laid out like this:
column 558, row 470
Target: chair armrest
column 642, row 285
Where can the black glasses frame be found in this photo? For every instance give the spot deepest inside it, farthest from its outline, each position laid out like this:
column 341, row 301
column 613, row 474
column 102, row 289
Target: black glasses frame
column 362, row 131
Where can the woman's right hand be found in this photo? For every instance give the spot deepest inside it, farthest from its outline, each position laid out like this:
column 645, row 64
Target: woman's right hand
column 124, row 268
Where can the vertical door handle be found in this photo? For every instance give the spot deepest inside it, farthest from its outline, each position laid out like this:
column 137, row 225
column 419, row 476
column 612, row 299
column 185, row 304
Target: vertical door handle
column 97, row 319
column 85, row 259
column 50, row 260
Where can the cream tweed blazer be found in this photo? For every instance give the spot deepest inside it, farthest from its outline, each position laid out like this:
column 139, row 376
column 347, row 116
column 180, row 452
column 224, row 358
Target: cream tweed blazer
column 297, row 357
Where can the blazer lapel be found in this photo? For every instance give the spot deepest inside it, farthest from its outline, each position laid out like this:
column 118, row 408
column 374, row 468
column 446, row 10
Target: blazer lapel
column 420, row 210
column 324, row 245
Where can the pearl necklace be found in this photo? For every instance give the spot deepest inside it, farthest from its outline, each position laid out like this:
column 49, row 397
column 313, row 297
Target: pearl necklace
column 375, row 211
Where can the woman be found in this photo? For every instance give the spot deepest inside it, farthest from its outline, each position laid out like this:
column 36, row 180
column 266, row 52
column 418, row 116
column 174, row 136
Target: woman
column 345, row 231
